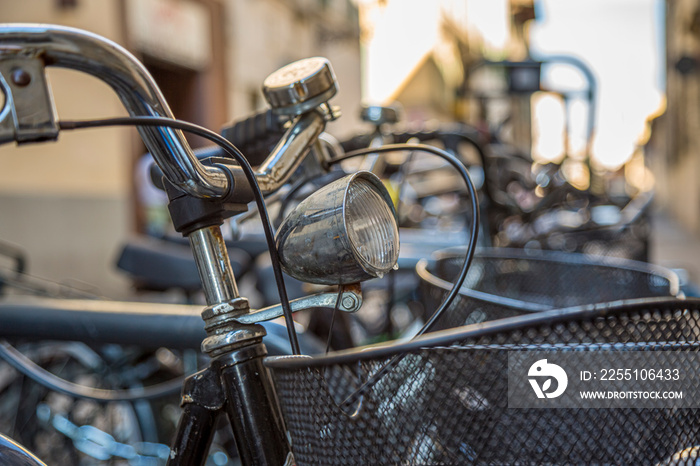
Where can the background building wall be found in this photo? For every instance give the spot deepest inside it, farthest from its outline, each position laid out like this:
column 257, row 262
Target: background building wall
column 679, row 191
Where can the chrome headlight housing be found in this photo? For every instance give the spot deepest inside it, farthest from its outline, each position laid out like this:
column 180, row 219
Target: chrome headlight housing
column 345, row 232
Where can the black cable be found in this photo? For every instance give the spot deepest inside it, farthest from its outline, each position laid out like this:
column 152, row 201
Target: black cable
column 336, row 309
column 249, row 174
column 473, row 236
column 40, row 375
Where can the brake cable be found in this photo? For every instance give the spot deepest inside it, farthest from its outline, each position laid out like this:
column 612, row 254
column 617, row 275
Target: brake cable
column 55, row 383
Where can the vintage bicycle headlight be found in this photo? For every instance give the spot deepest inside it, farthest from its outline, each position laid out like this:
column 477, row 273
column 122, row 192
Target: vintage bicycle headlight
column 345, row 232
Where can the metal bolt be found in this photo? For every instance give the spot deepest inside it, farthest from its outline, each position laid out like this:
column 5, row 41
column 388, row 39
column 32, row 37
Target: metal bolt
column 348, row 302
column 20, row 77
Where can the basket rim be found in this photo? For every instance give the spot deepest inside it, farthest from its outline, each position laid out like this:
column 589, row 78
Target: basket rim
column 573, row 258
column 450, row 336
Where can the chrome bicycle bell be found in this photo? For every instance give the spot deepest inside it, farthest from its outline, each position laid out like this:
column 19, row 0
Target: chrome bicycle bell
column 300, row 86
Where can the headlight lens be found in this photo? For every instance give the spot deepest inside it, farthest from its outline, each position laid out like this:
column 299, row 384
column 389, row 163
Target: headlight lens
column 371, row 227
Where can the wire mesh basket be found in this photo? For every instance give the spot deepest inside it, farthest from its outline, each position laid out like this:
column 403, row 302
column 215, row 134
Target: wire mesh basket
column 507, row 282
column 444, row 398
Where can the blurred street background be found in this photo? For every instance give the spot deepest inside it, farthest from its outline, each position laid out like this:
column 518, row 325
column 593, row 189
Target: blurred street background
column 606, row 89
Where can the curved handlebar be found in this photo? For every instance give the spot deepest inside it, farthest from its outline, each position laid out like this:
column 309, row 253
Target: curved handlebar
column 65, row 47
column 29, row 114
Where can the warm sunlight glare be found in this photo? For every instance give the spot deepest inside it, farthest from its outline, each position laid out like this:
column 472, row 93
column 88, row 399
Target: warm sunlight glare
column 618, row 39
column 548, row 128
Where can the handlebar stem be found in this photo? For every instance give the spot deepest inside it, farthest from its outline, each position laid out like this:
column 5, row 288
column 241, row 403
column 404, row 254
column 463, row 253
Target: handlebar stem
column 216, row 274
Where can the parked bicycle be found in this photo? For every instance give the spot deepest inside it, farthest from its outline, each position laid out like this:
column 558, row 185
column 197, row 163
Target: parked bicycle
column 364, row 243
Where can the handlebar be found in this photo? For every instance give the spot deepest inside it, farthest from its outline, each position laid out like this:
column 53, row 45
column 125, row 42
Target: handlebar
column 29, row 114
column 26, row 49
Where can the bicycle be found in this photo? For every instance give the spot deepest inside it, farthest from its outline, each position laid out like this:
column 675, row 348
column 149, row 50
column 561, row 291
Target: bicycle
column 388, row 404
column 234, row 338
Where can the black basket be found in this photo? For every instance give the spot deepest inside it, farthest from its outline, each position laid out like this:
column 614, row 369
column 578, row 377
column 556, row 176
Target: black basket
column 442, row 398
column 508, row 282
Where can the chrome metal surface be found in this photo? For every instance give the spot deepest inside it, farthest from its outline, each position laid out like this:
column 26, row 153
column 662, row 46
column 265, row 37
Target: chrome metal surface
column 222, row 343
column 374, row 162
column 332, row 145
column 314, row 241
column 235, row 305
column 29, row 113
column 290, row 151
column 300, row 86
column 350, row 301
column 219, row 317
column 214, row 265
column 23, row 45
column 14, row 454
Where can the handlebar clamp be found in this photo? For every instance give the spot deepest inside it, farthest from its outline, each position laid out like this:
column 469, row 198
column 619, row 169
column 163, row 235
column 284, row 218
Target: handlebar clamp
column 29, row 114
column 190, row 213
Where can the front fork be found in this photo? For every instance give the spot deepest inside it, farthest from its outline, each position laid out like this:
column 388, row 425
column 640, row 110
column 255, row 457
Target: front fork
column 236, row 381
column 241, row 386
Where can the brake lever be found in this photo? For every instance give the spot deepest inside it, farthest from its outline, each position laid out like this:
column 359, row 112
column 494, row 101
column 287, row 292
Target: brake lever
column 350, row 301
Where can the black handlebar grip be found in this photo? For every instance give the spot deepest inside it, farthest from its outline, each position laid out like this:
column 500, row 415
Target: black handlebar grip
column 256, row 135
